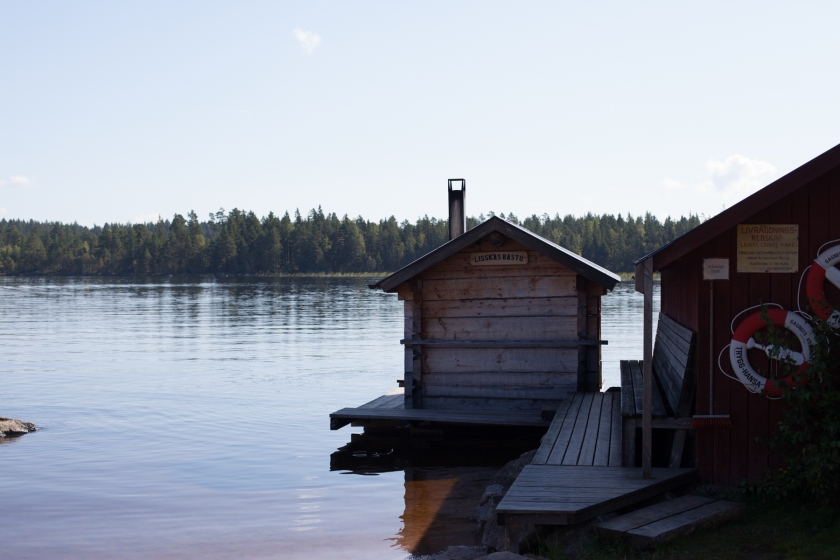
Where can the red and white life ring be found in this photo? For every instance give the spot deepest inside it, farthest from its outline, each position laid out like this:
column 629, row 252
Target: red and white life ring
column 824, row 267
column 743, row 340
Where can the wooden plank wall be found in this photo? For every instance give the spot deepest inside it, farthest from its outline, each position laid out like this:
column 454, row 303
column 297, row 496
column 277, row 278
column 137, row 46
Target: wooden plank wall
column 730, row 456
column 539, row 301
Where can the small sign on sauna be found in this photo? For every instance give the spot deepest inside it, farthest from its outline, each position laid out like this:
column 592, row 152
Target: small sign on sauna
column 499, row 258
column 768, row 247
column 715, row 269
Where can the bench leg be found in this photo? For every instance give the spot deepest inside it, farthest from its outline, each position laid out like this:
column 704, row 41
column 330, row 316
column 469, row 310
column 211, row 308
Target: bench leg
column 677, row 448
column 629, row 443
column 512, row 537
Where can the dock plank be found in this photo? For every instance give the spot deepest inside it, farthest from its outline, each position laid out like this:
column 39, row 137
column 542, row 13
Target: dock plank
column 576, row 441
column 616, row 433
column 565, row 433
column 601, row 457
column 550, row 437
column 577, row 493
column 345, row 416
column 590, row 436
column 620, row 525
column 705, row 516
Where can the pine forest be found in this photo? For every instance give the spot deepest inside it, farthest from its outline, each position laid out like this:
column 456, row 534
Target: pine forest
column 240, row 243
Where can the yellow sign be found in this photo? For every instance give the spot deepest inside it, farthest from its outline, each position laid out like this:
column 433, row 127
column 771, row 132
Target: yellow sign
column 499, row 258
column 768, row 247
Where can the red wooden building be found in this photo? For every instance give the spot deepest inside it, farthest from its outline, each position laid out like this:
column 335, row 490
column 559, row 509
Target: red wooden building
column 808, row 197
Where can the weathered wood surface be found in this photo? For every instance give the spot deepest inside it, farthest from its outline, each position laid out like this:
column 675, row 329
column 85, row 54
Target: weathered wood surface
column 490, row 404
column 665, row 530
column 671, row 365
column 507, row 307
column 482, row 288
column 673, row 362
column 586, row 430
column 500, row 328
column 617, row 526
column 508, row 360
column 386, row 401
column 383, row 408
column 659, row 523
column 579, row 493
column 500, row 386
column 459, row 266
column 632, row 391
column 505, row 343
column 673, row 376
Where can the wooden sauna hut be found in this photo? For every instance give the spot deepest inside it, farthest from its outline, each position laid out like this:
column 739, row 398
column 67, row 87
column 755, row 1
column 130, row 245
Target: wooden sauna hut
column 757, row 252
column 500, row 324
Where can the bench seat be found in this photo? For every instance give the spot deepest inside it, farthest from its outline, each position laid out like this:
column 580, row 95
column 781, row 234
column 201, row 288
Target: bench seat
column 673, row 390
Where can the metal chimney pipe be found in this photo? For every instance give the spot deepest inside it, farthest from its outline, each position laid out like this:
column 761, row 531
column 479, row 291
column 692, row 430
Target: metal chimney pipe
column 457, row 210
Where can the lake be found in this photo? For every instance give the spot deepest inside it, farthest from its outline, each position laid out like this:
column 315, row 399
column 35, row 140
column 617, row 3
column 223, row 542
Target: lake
column 189, row 418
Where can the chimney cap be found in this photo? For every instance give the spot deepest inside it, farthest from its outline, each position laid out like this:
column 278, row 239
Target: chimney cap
column 462, row 181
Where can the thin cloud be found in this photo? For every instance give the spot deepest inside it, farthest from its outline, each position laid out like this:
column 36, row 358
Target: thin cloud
column 737, row 176
column 732, row 179
column 151, row 217
column 307, row 39
column 17, row 181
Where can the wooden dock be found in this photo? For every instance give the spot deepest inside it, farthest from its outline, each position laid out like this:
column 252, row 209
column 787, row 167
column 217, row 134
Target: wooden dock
column 576, row 474
column 565, row 494
column 390, row 408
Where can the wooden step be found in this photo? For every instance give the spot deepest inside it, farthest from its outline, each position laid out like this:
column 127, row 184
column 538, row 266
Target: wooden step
column 651, row 526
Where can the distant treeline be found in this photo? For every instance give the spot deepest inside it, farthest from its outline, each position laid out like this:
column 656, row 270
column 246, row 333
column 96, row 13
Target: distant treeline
column 238, row 242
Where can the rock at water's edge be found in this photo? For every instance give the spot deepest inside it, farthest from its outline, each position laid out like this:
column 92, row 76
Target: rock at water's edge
column 461, row 552
column 9, row 427
column 504, row 555
column 493, row 535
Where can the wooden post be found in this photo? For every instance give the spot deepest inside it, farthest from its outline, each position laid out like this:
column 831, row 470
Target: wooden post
column 512, row 537
column 647, row 444
column 412, row 373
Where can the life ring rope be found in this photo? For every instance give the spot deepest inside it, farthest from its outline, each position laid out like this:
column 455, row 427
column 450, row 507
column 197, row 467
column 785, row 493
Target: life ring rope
column 732, row 324
column 733, row 378
column 827, row 243
column 799, row 295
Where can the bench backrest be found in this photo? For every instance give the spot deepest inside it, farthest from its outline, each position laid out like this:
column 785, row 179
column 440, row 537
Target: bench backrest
column 673, row 364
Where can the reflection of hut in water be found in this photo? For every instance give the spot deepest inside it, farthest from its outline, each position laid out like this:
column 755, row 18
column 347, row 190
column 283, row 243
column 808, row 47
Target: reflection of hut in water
column 500, row 324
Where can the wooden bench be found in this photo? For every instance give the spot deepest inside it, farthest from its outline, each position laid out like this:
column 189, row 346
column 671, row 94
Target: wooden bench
column 673, row 391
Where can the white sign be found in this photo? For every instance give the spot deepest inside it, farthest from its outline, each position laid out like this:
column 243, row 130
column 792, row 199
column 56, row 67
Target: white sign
column 499, row 258
column 715, row 269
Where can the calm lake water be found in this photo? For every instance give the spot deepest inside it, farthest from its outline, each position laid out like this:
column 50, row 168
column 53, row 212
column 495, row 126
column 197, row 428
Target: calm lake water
column 189, row 418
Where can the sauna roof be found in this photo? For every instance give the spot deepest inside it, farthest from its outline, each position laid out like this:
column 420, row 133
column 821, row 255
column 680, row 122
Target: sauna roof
column 735, row 215
column 585, row 268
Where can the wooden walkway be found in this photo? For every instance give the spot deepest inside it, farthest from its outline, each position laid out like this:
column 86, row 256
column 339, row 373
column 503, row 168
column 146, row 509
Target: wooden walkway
column 391, row 408
column 577, row 473
column 563, row 495
column 586, row 430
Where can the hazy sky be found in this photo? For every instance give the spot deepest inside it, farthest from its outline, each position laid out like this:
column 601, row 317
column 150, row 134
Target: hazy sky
column 120, row 111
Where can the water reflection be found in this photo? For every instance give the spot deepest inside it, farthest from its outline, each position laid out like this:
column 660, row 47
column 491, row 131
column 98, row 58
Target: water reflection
column 446, row 470
column 189, row 417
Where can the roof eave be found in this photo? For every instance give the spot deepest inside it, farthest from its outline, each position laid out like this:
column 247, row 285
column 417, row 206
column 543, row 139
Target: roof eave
column 585, row 268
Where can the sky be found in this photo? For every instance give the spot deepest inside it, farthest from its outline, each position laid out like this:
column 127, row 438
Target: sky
column 126, row 111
